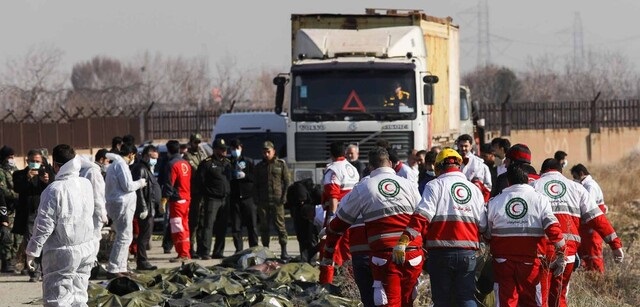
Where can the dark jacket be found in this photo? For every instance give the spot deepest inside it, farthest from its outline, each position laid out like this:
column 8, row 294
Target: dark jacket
column 213, row 177
column 242, row 188
column 150, row 195
column 501, row 183
column 272, row 181
column 359, row 166
column 29, row 191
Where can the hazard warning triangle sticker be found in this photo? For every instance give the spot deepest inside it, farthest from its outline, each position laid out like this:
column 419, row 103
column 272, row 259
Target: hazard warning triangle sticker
column 353, row 103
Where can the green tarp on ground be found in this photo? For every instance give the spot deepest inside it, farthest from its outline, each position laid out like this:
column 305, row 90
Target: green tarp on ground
column 268, row 283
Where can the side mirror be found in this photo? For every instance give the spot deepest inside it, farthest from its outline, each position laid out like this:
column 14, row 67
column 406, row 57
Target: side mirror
column 428, row 94
column 475, row 109
column 279, row 82
column 430, row 79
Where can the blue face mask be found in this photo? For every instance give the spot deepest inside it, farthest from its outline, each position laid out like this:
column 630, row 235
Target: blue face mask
column 34, row 165
column 153, row 162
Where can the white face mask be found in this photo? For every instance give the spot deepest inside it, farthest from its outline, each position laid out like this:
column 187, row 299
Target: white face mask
column 565, row 163
column 236, row 153
column 11, row 162
column 431, row 173
column 153, row 162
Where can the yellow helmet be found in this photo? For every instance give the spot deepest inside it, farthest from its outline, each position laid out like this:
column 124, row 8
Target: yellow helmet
column 448, row 153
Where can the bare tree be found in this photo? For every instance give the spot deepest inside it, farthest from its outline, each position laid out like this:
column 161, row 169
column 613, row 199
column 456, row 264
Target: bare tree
column 34, row 82
column 228, row 83
column 492, row 84
column 262, row 91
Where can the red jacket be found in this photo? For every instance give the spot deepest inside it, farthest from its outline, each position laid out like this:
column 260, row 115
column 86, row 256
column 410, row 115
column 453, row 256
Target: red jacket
column 571, row 203
column 180, row 177
column 451, row 213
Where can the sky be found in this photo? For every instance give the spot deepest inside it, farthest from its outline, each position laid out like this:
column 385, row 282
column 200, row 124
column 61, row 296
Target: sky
column 257, row 33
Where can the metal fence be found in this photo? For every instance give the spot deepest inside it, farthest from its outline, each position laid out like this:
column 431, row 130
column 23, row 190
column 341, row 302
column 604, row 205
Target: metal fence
column 562, row 115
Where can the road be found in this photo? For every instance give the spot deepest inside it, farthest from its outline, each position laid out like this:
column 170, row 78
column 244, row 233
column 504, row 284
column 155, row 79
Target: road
column 16, row 290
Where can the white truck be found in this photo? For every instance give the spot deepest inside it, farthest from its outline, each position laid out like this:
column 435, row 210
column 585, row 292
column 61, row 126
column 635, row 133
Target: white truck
column 346, row 71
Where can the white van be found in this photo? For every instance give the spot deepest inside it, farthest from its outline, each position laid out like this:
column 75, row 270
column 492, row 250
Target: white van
column 253, row 129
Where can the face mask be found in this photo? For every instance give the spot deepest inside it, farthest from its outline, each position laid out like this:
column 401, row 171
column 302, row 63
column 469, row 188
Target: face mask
column 565, row 163
column 103, row 168
column 431, row 173
column 236, row 153
column 34, row 165
column 11, row 162
column 153, row 162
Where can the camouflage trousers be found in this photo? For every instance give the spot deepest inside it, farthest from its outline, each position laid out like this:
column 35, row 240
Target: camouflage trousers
column 271, row 214
column 10, row 244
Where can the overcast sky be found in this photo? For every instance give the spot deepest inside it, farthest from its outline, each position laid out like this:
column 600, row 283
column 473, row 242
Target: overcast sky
column 257, row 34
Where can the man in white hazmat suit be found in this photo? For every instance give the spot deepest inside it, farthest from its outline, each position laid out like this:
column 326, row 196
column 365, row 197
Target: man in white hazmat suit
column 63, row 233
column 92, row 172
column 121, row 206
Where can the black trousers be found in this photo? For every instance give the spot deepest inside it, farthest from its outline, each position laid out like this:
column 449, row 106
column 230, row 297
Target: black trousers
column 145, row 229
column 243, row 212
column 220, row 228
column 305, row 233
column 209, row 214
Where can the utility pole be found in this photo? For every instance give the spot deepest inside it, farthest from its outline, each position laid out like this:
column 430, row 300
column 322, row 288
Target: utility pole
column 484, row 51
column 578, row 40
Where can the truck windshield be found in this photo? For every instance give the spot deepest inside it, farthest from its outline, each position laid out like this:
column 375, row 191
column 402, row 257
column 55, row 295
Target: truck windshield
column 353, row 94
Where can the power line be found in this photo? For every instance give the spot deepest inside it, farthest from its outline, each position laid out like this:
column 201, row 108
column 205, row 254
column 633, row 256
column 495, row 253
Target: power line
column 484, row 50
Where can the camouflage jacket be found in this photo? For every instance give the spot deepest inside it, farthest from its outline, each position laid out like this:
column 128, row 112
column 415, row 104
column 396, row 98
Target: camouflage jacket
column 6, row 185
column 271, row 181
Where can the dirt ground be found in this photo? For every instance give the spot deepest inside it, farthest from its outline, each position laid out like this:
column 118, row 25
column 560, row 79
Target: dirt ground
column 16, row 290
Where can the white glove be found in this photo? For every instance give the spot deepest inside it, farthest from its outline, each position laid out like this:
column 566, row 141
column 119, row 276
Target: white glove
column 104, row 218
column 618, row 255
column 143, row 182
column 240, row 175
column 31, row 263
column 379, row 296
column 558, row 265
column 144, row 214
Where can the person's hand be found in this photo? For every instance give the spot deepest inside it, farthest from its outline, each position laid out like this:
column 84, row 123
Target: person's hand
column 163, row 205
column 104, row 218
column 618, row 255
column 323, row 233
column 32, row 173
column 558, row 265
column 399, row 251
column 143, row 215
column 379, row 295
column 143, row 182
column 31, row 263
column 45, row 177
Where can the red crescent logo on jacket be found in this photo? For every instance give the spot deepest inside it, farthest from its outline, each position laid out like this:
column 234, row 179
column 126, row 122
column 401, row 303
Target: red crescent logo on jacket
column 555, row 189
column 184, row 167
column 461, row 193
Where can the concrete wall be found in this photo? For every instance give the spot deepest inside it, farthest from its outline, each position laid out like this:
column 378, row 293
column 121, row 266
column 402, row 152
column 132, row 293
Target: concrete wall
column 611, row 144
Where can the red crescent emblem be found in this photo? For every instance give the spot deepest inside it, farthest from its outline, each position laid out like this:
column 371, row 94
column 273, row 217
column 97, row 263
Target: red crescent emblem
column 552, row 188
column 386, row 187
column 458, row 193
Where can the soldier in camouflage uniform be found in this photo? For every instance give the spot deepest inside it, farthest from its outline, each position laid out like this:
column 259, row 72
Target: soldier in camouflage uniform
column 194, row 156
column 272, row 181
column 9, row 245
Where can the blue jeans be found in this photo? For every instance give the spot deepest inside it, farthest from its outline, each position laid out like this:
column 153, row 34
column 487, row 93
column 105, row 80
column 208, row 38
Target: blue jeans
column 452, row 275
column 363, row 278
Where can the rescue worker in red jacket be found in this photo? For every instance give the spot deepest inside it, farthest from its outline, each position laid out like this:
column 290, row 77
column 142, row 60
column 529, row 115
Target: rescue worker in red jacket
column 451, row 215
column 519, row 218
column 571, row 203
column 386, row 203
column 339, row 179
column 590, row 250
column 180, row 180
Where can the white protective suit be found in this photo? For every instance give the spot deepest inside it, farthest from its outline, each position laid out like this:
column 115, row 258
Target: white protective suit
column 92, row 172
column 63, row 233
column 121, row 206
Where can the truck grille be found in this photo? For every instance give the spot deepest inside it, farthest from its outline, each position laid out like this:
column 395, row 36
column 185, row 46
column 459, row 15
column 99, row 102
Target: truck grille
column 314, row 146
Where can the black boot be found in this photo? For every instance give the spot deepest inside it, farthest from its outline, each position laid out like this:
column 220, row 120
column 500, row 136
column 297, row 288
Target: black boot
column 283, row 252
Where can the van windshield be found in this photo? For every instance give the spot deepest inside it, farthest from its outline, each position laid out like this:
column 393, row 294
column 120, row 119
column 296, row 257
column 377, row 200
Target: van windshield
column 353, row 93
column 252, row 143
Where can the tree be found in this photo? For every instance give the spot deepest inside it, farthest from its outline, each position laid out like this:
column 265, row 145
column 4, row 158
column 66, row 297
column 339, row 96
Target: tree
column 34, row 82
column 230, row 83
column 492, row 84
